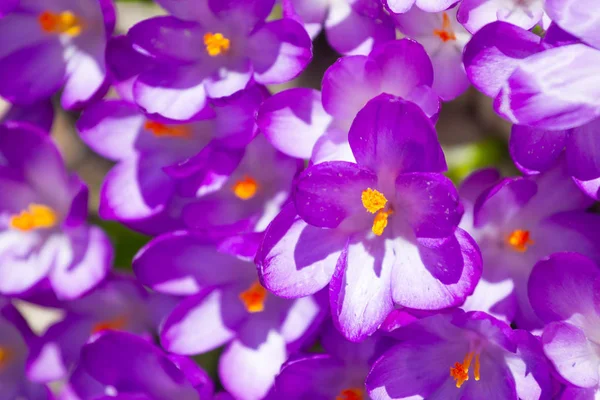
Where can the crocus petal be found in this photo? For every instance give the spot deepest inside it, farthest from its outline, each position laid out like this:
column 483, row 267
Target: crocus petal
column 475, row 14
column 86, row 75
column 323, row 373
column 572, row 354
column 435, row 5
column 245, row 13
column 124, row 64
column 311, row 13
column 581, row 24
column 279, row 51
column 359, row 293
column 509, row 195
column 293, row 121
column 296, row 259
column 494, row 53
column 376, row 144
column 583, row 151
column 450, row 78
column 203, row 322
column 39, row 114
column 399, row 6
column 535, row 150
column 531, row 95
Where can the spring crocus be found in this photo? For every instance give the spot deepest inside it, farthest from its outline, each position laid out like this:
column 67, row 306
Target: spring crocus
column 381, row 231
column 351, row 26
column 213, row 48
column 474, row 14
column 563, row 291
column 124, row 366
column 517, row 222
column 44, row 237
column 443, row 39
column 307, row 124
column 49, row 45
column 339, row 373
column 15, row 339
column 225, row 304
column 155, row 157
column 466, row 356
column 119, row 303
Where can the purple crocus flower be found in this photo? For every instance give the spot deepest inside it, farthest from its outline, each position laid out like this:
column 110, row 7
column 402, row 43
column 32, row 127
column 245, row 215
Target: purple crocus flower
column 50, row 44
column 40, row 114
column 381, row 231
column 123, row 366
column 119, row 303
column 305, row 123
column 44, row 238
column 339, row 373
column 443, row 39
column 466, row 356
column 213, row 48
column 225, row 304
column 432, row 6
column 517, row 222
column 564, row 292
column 475, row 14
column 351, row 26
column 15, row 339
column 158, row 160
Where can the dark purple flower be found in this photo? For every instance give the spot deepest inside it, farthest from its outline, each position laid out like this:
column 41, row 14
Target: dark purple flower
column 213, row 48
column 339, row 373
column 50, row 44
column 352, row 26
column 305, row 123
column 564, row 291
column 443, row 39
column 44, row 237
column 475, row 14
column 466, row 356
column 517, row 222
column 123, row 366
column 162, row 162
column 225, row 304
column 381, row 232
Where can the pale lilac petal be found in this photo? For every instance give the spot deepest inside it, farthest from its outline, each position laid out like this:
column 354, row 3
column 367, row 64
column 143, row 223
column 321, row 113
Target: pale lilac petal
column 536, row 150
column 583, row 151
column 572, row 18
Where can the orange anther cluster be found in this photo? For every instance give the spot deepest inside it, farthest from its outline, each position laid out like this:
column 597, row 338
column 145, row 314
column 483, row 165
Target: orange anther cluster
column 162, row 130
column 519, row 240
column 115, row 324
column 35, row 217
column 351, row 394
column 254, row 298
column 65, row 22
column 245, row 188
column 460, row 372
column 216, row 43
column 446, row 33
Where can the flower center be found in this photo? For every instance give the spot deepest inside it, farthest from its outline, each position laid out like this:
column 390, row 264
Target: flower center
column 65, row 22
column 254, row 298
column 460, row 372
column 446, row 33
column 37, row 216
column 245, row 188
column 216, row 43
column 519, row 240
column 5, row 356
column 162, row 130
column 374, row 202
column 115, row 324
column 351, row 394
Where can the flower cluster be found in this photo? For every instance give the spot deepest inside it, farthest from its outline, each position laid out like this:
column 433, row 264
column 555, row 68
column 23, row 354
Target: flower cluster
column 311, row 241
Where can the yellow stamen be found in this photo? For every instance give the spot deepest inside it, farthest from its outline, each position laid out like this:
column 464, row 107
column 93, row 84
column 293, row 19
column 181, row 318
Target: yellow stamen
column 216, row 43
column 460, row 372
column 373, row 200
column 519, row 240
column 162, row 130
column 5, row 356
column 37, row 216
column 65, row 22
column 446, row 33
column 245, row 188
column 380, row 221
column 254, row 298
column 351, row 394
column 115, row 324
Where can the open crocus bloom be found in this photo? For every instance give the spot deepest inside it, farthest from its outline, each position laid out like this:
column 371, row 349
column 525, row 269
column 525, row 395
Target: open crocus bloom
column 48, row 45
column 225, row 304
column 517, row 222
column 352, row 26
column 307, row 124
column 466, row 356
column 123, row 366
column 443, row 39
column 474, row 14
column 212, row 48
column 381, row 231
column 44, row 237
column 564, row 292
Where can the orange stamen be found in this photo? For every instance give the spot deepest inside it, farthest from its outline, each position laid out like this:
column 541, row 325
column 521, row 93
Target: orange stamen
column 115, row 324
column 245, row 188
column 65, row 22
column 162, row 130
column 380, row 221
column 519, row 240
column 5, row 356
column 254, row 298
column 351, row 394
column 373, row 200
column 37, row 216
column 216, row 43
column 460, row 372
column 446, row 33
